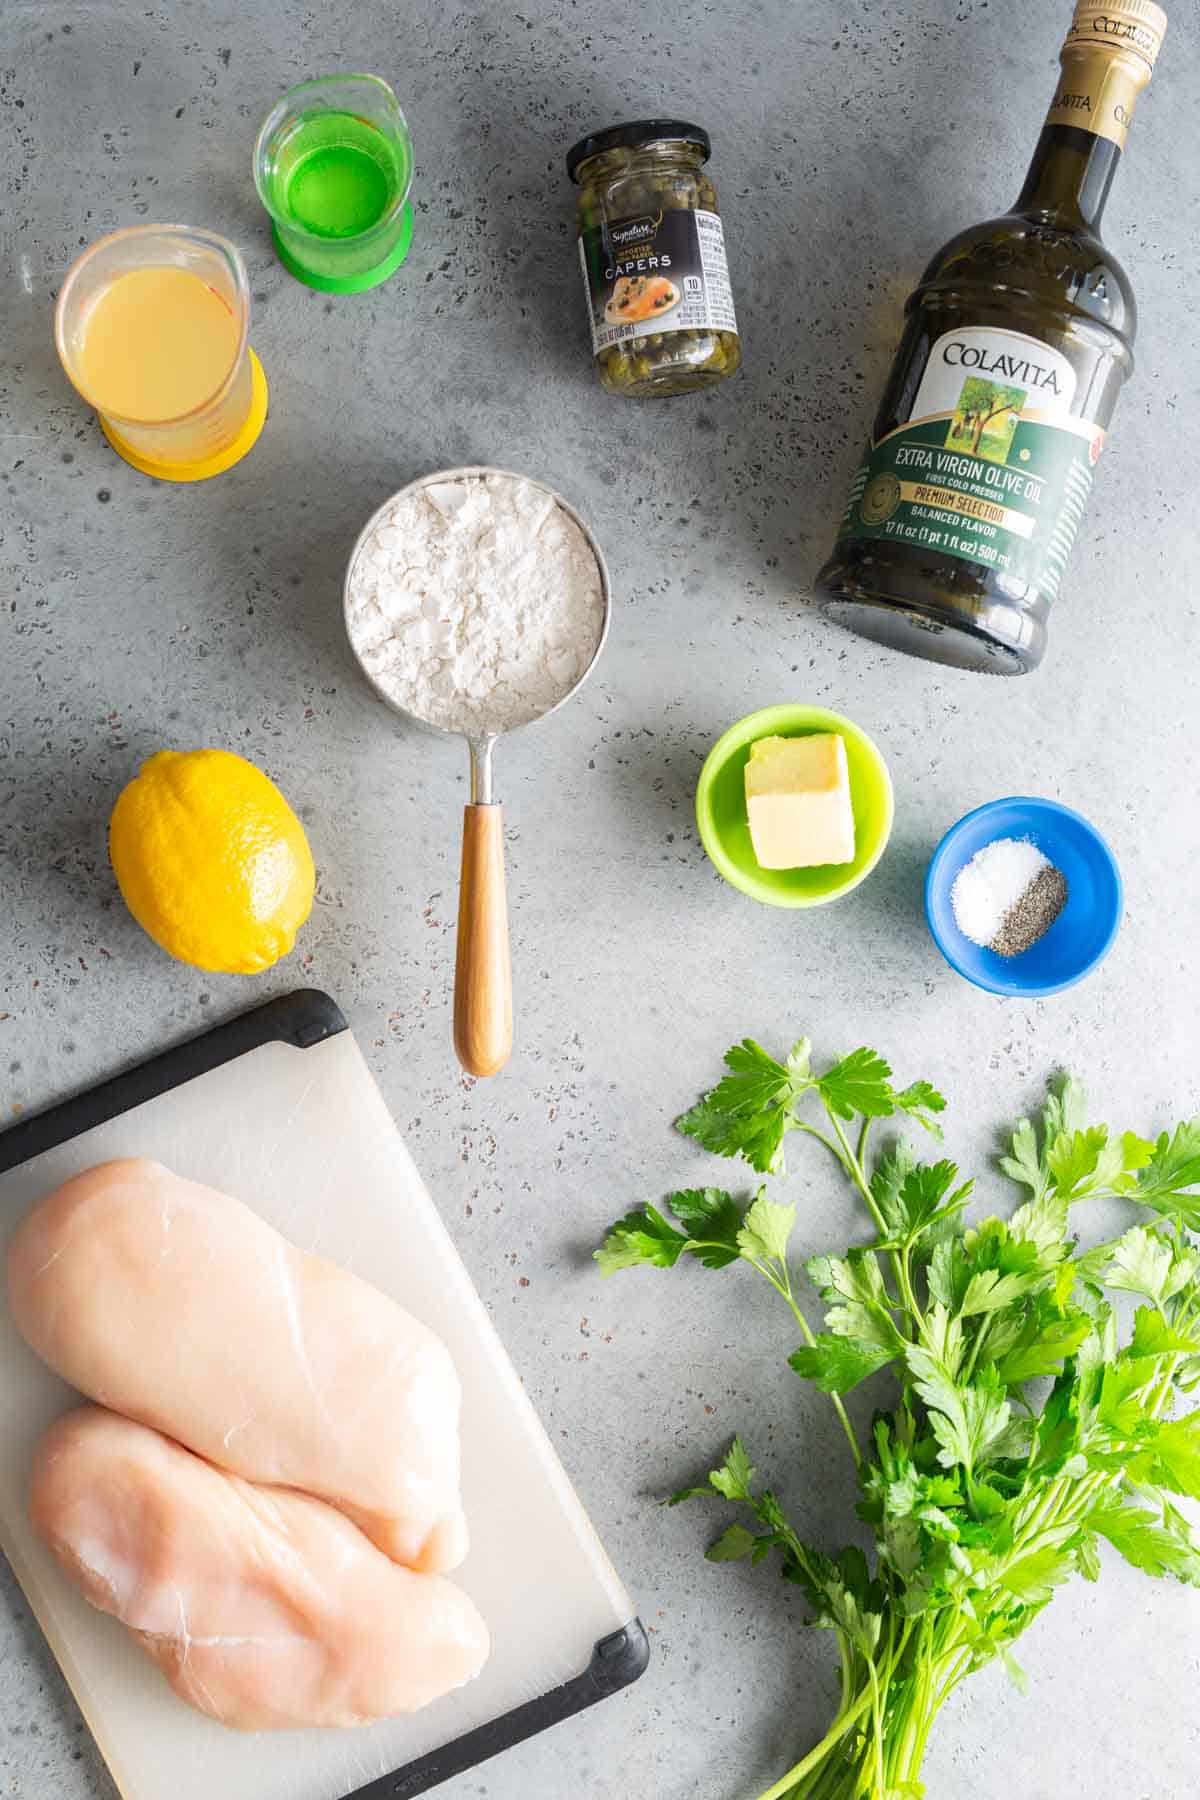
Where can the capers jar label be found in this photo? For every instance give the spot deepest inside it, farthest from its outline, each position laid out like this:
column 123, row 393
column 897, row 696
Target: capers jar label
column 663, row 272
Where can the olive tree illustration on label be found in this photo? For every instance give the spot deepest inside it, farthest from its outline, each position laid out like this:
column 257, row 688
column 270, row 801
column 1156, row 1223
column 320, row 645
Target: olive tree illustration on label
column 991, row 466
column 985, row 419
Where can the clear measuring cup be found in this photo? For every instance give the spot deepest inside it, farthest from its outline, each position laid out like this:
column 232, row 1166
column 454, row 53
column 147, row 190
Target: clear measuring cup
column 483, row 1010
column 218, row 429
column 333, row 167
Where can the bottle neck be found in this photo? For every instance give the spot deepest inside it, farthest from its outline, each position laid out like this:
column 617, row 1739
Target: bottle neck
column 1091, row 112
column 1070, row 176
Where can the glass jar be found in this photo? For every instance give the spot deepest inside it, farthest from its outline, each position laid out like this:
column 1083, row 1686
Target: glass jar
column 333, row 166
column 652, row 249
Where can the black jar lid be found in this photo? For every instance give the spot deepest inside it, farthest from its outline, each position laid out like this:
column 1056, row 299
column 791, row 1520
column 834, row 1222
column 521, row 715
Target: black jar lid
column 638, row 131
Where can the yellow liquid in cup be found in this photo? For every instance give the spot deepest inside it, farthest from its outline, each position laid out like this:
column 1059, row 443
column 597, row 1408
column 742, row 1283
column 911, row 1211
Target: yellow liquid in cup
column 156, row 343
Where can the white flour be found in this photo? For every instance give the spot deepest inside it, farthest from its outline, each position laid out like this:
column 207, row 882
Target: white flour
column 476, row 604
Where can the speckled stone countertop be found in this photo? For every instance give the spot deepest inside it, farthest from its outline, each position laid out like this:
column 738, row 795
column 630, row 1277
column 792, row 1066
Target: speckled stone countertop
column 849, row 141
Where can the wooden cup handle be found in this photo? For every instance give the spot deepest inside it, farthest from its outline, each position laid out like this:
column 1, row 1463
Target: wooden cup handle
column 483, row 972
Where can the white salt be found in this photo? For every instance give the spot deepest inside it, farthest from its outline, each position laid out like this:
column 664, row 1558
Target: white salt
column 990, row 885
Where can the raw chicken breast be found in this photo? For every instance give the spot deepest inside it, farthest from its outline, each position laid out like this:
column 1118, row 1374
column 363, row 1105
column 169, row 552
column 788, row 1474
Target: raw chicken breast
column 262, row 1607
column 181, row 1308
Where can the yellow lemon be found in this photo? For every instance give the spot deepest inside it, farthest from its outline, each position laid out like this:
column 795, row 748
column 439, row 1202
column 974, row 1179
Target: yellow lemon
column 212, row 861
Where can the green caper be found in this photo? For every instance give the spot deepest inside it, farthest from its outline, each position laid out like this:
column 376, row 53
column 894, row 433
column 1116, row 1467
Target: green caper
column 617, row 374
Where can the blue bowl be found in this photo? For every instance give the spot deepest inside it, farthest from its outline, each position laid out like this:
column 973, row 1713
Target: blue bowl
column 1079, row 938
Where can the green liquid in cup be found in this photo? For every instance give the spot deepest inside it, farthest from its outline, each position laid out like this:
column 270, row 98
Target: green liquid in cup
column 338, row 192
column 337, row 176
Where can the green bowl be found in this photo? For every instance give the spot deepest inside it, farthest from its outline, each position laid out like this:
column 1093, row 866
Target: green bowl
column 721, row 808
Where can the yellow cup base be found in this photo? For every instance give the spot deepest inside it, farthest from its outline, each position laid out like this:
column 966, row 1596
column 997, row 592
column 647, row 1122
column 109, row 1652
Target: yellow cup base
column 204, row 466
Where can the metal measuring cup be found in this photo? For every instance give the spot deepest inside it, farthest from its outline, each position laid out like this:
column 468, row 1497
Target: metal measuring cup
column 483, row 1011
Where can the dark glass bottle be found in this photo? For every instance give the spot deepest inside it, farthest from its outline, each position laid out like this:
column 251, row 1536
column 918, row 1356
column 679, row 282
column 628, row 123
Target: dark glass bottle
column 1018, row 341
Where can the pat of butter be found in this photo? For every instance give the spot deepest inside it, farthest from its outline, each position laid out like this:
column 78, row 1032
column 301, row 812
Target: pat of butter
column 798, row 802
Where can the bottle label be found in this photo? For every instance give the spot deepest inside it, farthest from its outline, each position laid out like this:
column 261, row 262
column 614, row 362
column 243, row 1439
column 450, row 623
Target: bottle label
column 991, row 467
column 663, row 271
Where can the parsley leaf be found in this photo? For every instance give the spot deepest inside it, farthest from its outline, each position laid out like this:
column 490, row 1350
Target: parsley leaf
column 1023, row 1162
column 855, row 1276
column 1062, row 1116
column 748, row 1112
column 1034, row 1577
column 734, row 1543
column 1171, row 1456
column 1174, row 1168
column 1144, row 1262
column 1042, row 1344
column 859, row 1084
column 641, row 1237
column 845, row 1611
column 948, row 1273
column 713, row 1219
column 1148, row 1543
column 859, row 1305
column 1092, row 1266
column 966, row 1421
column 645, row 1237
column 837, row 1364
column 1088, row 1163
column 1042, row 1222
column 1153, row 1336
column 1065, row 1111
column 914, row 1197
column 766, row 1231
column 920, row 1100
column 736, row 1474
column 887, row 1181
column 988, row 1291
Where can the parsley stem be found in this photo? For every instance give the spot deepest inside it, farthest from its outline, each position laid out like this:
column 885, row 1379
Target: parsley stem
column 817, row 1754
column 856, row 1173
column 847, row 1717
column 981, row 1334
column 877, row 1722
column 784, row 1287
column 847, row 1678
column 959, row 1668
column 813, row 1131
column 861, row 1152
column 900, row 1262
column 858, row 1176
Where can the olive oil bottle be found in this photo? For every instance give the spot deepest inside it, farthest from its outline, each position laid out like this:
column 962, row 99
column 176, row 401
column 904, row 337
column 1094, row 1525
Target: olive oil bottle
column 1019, row 338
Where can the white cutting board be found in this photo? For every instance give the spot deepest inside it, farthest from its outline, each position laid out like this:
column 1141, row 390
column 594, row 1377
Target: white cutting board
column 303, row 1136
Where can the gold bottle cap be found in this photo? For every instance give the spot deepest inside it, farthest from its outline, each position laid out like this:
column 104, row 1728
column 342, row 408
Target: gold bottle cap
column 1136, row 26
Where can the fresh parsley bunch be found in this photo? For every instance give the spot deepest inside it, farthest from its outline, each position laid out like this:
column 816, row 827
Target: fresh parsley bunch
column 1025, row 1424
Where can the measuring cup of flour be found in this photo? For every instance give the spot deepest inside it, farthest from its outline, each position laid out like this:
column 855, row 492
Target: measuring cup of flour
column 478, row 601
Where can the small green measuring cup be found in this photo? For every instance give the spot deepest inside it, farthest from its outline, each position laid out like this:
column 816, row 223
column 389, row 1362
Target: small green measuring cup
column 333, row 168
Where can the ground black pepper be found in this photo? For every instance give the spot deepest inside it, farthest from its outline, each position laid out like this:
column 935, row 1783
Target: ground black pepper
column 1033, row 914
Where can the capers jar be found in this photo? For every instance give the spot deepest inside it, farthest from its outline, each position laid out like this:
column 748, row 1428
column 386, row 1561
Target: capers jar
column 653, row 253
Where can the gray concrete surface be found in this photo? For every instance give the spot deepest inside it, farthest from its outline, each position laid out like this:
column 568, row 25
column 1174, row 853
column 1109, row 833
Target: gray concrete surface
column 849, row 142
